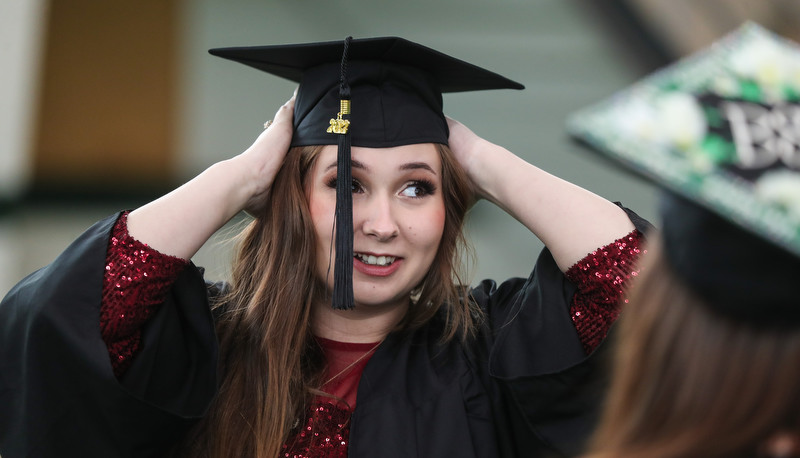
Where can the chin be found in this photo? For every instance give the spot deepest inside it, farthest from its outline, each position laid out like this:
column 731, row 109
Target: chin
column 376, row 301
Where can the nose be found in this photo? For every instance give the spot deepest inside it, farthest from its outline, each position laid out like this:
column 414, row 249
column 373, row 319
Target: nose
column 379, row 220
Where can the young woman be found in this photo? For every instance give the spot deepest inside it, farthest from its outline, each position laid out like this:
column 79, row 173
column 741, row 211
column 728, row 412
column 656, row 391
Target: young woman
column 419, row 365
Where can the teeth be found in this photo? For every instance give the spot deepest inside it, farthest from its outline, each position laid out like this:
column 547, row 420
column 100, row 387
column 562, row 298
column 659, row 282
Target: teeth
column 376, row 260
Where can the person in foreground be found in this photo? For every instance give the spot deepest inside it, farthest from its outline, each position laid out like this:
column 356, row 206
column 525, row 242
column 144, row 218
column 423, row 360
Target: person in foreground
column 120, row 348
column 708, row 357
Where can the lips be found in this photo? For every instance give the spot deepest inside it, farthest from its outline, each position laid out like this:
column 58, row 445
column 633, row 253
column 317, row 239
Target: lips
column 376, row 266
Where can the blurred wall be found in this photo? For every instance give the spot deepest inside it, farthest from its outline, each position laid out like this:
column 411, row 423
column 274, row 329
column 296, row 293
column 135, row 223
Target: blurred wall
column 21, row 32
column 560, row 53
column 106, row 96
column 686, row 26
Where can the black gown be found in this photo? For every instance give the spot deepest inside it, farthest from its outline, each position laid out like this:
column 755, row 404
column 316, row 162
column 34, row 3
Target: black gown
column 522, row 388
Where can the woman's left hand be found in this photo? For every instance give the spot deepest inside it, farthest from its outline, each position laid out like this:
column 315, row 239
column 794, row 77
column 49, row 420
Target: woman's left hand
column 467, row 147
column 556, row 211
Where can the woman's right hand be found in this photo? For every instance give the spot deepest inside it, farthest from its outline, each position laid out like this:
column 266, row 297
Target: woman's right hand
column 264, row 157
column 180, row 222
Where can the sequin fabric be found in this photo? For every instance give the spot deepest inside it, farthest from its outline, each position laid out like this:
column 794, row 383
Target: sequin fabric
column 602, row 278
column 137, row 278
column 136, row 281
column 325, row 433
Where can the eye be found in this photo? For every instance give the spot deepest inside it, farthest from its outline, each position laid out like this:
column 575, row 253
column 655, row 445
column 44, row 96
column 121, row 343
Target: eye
column 355, row 186
column 418, row 188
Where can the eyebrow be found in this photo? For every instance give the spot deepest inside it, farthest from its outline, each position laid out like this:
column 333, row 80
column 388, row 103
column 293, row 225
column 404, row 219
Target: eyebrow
column 354, row 164
column 407, row 166
column 417, row 166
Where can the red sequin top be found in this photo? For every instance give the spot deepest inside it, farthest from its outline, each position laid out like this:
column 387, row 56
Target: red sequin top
column 601, row 277
column 136, row 281
column 138, row 278
column 326, row 430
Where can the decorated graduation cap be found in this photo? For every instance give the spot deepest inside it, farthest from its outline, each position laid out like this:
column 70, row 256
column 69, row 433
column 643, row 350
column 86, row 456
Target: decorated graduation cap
column 374, row 92
column 719, row 131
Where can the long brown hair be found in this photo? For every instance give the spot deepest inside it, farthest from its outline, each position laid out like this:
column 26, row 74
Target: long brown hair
column 690, row 383
column 270, row 364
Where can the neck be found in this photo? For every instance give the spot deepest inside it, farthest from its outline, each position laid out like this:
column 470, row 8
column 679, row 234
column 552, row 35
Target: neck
column 363, row 324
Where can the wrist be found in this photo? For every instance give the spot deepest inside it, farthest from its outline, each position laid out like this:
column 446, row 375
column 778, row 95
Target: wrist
column 485, row 167
column 237, row 182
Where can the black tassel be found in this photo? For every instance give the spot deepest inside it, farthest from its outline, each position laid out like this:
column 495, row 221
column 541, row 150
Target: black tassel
column 343, row 267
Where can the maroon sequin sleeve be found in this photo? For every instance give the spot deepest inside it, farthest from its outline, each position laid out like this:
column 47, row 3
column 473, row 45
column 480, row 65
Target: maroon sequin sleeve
column 136, row 281
column 602, row 278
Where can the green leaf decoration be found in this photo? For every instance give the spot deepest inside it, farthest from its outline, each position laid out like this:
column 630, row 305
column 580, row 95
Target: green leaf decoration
column 718, row 149
column 750, row 91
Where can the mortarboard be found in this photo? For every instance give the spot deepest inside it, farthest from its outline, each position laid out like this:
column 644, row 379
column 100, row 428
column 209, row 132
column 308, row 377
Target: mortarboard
column 373, row 92
column 719, row 132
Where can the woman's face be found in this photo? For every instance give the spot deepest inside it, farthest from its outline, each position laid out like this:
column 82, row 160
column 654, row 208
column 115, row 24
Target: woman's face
column 398, row 219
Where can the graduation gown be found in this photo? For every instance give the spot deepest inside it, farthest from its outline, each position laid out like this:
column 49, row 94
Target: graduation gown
column 522, row 388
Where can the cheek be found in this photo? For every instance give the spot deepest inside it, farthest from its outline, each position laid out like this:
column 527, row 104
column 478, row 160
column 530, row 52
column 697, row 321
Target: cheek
column 318, row 217
column 322, row 215
column 427, row 230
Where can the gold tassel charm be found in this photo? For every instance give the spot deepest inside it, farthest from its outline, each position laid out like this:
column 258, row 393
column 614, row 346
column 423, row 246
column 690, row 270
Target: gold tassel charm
column 340, row 125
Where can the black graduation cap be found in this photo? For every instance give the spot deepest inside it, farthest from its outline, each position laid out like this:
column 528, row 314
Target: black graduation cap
column 719, row 131
column 373, row 92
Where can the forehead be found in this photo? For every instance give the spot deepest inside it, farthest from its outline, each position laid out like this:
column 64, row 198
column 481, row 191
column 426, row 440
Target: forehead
column 394, row 157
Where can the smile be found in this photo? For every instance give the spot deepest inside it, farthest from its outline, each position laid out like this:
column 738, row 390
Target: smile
column 375, row 260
